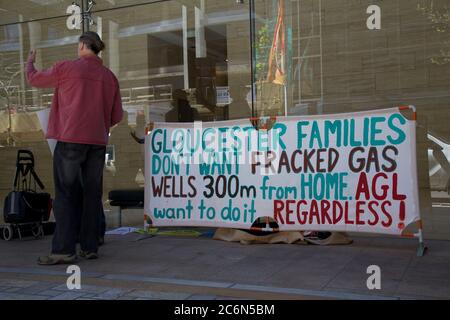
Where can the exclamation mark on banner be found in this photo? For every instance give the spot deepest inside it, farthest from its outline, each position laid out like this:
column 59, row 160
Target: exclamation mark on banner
column 401, row 224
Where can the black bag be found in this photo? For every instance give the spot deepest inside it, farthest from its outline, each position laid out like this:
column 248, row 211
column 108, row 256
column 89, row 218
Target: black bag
column 24, row 204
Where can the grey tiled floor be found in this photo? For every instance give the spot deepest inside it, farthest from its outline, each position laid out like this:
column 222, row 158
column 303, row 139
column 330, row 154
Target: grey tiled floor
column 20, row 290
column 334, row 271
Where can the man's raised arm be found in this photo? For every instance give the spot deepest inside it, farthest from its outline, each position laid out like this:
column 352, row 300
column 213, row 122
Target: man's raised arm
column 41, row 79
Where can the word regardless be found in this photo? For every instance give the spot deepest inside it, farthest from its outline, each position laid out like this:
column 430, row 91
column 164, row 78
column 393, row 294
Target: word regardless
column 378, row 201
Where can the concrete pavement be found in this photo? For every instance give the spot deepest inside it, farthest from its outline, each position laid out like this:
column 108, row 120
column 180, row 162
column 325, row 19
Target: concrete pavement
column 183, row 268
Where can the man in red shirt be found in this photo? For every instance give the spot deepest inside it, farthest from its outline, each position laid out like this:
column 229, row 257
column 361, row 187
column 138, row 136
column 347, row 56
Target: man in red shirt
column 86, row 104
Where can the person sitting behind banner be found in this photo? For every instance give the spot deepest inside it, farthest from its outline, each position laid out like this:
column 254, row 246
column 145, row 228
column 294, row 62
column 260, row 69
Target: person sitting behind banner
column 181, row 108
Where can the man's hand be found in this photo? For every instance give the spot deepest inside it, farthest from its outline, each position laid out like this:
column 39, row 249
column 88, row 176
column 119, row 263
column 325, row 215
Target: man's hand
column 32, row 56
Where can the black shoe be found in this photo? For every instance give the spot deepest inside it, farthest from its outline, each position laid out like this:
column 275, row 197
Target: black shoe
column 88, row 255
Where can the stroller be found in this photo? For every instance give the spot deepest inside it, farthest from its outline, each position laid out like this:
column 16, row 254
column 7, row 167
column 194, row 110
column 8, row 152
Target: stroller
column 25, row 209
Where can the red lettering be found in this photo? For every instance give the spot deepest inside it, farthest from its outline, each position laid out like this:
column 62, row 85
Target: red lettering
column 289, row 211
column 374, row 213
column 402, row 213
column 387, row 223
column 314, row 212
column 346, row 217
column 324, row 208
column 383, row 187
column 359, row 212
column 278, row 207
column 337, row 217
column 362, row 187
column 300, row 213
column 395, row 194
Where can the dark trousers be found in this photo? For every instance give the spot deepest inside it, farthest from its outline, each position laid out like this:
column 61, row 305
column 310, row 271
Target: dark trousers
column 102, row 226
column 69, row 160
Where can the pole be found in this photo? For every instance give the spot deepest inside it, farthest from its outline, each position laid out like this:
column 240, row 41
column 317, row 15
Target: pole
column 285, row 100
column 252, row 54
column 422, row 248
column 9, row 140
column 419, row 235
column 85, row 15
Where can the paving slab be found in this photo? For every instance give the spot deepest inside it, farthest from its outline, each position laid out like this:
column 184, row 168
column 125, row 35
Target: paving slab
column 16, row 296
column 202, row 297
column 112, row 294
column 155, row 295
column 329, row 271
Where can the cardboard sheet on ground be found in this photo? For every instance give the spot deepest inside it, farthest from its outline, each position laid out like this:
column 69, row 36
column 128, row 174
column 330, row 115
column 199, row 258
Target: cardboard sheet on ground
column 121, row 231
column 289, row 237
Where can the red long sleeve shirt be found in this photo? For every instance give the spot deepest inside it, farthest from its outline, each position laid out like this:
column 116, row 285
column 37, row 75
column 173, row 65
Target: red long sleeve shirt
column 86, row 101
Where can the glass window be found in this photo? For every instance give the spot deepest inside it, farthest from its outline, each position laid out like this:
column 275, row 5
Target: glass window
column 29, row 10
column 215, row 60
column 175, row 61
column 330, row 56
column 180, row 60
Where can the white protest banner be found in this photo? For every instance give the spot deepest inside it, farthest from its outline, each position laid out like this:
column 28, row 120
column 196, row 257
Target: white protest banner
column 345, row 172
